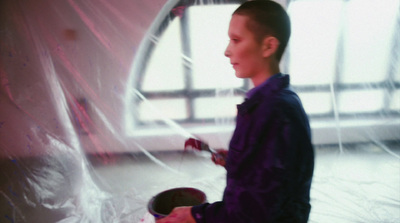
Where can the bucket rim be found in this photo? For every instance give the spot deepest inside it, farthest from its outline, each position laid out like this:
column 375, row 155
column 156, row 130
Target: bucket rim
column 151, row 201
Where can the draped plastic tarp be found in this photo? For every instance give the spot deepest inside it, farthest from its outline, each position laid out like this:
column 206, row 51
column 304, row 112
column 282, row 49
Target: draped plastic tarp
column 72, row 150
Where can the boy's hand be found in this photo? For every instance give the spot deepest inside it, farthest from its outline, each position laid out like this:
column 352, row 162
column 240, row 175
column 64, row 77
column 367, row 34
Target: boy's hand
column 220, row 157
column 179, row 215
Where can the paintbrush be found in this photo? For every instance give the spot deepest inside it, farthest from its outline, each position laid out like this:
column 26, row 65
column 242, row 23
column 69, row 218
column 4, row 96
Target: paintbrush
column 202, row 146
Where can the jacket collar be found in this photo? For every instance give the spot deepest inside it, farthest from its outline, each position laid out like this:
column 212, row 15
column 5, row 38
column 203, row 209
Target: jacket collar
column 275, row 83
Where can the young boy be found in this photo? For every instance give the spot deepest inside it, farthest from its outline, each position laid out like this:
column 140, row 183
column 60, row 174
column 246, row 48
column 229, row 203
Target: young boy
column 270, row 159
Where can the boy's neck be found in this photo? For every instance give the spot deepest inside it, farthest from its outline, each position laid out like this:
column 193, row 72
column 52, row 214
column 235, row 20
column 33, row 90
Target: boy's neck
column 269, row 72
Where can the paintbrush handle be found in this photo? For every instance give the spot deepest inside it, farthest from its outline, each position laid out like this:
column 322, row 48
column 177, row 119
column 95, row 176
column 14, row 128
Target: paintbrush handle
column 202, row 146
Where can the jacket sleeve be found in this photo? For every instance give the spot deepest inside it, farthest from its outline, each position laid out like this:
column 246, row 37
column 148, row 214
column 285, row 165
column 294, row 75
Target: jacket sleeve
column 269, row 180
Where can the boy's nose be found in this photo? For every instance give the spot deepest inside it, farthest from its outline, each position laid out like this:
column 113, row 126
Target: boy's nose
column 227, row 52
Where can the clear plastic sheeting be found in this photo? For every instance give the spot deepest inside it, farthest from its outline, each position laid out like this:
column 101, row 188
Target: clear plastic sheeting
column 98, row 97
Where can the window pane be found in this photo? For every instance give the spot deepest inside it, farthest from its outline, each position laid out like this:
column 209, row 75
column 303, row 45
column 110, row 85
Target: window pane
column 368, row 39
column 216, row 107
column 395, row 102
column 397, row 74
column 315, row 31
column 208, row 26
column 316, row 103
column 360, row 101
column 158, row 109
column 165, row 69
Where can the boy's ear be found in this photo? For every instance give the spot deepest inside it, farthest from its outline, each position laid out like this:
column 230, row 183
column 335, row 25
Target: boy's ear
column 270, row 46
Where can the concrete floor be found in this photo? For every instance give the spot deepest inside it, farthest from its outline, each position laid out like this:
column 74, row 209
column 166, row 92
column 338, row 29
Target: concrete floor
column 361, row 184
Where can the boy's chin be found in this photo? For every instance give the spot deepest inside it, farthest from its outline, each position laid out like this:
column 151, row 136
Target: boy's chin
column 240, row 75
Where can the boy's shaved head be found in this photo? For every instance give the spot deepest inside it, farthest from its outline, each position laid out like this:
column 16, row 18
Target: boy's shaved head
column 267, row 18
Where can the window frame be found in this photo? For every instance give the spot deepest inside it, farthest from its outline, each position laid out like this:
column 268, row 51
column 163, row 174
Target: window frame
column 324, row 134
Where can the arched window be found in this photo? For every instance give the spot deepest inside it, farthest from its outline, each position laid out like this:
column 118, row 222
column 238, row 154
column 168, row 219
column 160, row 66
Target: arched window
column 342, row 57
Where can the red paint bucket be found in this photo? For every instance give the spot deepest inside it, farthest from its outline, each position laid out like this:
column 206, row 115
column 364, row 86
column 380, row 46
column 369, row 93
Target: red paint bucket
column 163, row 203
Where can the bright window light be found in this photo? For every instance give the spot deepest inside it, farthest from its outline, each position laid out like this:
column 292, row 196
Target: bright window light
column 395, row 101
column 397, row 74
column 316, row 103
column 165, row 69
column 356, row 101
column 368, row 39
column 220, row 107
column 159, row 109
column 208, row 30
column 313, row 44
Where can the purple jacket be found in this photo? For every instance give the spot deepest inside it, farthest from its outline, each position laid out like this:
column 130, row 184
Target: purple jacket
column 270, row 161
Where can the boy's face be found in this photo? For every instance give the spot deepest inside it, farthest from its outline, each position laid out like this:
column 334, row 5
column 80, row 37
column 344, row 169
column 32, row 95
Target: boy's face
column 244, row 52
